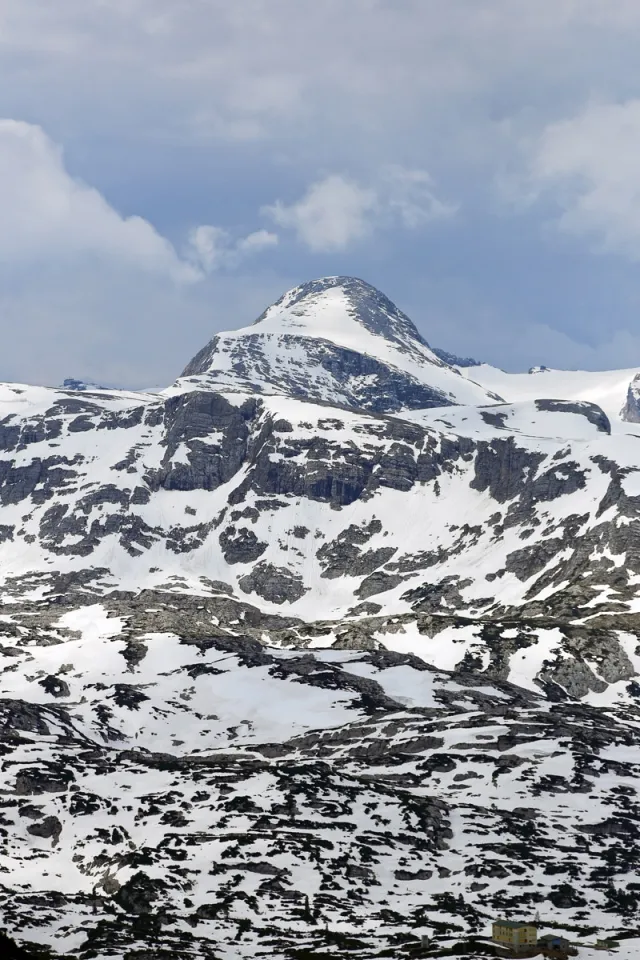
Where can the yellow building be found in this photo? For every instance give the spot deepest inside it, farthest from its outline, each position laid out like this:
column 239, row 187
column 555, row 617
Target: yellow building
column 515, row 936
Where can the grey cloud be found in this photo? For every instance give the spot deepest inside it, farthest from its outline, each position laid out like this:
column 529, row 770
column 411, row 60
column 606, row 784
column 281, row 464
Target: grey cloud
column 270, row 67
column 275, row 95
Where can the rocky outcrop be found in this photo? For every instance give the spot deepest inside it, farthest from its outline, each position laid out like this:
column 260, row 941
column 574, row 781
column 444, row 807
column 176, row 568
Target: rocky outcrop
column 357, row 380
column 192, row 419
column 631, row 410
column 139, row 893
column 591, row 411
column 275, row 584
column 240, row 545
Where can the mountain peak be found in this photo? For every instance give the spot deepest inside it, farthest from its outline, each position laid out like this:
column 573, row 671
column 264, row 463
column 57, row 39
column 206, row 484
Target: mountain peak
column 330, row 305
column 74, row 383
column 336, row 340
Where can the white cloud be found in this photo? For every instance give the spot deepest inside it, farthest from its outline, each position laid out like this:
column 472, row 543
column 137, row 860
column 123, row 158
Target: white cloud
column 409, row 193
column 331, row 214
column 590, row 165
column 207, row 246
column 140, row 89
column 212, row 248
column 47, row 215
column 259, row 240
column 86, row 291
column 337, row 211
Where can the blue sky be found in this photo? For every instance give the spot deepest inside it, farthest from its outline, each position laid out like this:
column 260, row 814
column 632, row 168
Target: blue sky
column 168, row 169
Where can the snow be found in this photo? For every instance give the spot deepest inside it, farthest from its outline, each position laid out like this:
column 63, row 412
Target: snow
column 626, row 950
column 328, row 317
column 525, row 664
column 92, row 622
column 607, row 388
column 484, row 747
column 523, row 419
column 353, row 805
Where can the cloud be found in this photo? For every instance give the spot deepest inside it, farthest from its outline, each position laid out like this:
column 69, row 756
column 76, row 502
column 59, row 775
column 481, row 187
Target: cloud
column 198, row 112
column 331, row 214
column 129, row 329
column 241, row 69
column 589, row 166
column 409, row 193
column 259, row 240
column 48, row 215
column 412, row 70
column 212, row 248
column 87, row 291
column 336, row 211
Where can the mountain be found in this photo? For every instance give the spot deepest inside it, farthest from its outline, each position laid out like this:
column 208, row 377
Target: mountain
column 331, row 642
column 337, row 340
column 72, row 383
column 455, row 361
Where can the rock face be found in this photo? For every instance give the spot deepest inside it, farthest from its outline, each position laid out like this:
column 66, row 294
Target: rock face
column 631, row 410
column 72, row 383
column 310, row 638
column 453, row 360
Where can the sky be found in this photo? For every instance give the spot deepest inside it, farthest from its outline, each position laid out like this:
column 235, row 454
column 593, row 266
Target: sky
column 168, row 169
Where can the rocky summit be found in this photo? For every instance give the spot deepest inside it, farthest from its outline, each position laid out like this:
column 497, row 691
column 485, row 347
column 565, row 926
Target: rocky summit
column 327, row 648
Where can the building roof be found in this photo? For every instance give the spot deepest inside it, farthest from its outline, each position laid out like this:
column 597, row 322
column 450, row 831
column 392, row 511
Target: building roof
column 512, row 925
column 552, row 936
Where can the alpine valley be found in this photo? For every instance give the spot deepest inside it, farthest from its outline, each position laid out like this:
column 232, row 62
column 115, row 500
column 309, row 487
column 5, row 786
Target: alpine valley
column 330, row 645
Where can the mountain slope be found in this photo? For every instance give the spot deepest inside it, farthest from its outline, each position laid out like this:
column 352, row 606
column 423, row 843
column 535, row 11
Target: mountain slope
column 340, row 341
column 517, row 512
column 607, row 388
column 330, row 631
column 225, row 800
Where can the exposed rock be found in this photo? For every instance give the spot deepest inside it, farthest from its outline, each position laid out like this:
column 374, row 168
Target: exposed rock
column 47, row 828
column 593, row 413
column 139, row 894
column 378, row 582
column 55, row 686
column 631, row 410
column 52, row 778
column 275, row 584
column 241, row 545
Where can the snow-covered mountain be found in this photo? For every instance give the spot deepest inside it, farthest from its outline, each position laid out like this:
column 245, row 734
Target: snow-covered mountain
column 340, row 341
column 237, row 596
